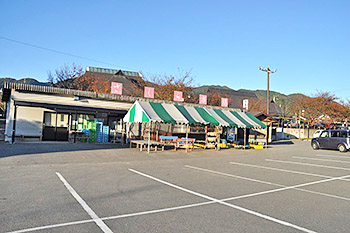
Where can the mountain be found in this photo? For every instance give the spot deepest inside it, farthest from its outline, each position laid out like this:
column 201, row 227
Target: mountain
column 236, row 97
column 31, row 81
column 278, row 98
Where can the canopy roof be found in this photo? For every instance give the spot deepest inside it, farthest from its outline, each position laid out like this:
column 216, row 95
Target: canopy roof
column 181, row 114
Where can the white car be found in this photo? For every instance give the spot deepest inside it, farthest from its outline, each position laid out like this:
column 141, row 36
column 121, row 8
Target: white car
column 317, row 133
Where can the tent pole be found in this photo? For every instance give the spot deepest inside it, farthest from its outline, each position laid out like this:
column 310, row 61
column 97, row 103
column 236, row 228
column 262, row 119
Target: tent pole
column 149, row 138
column 187, row 145
column 245, row 137
column 218, row 136
column 128, row 132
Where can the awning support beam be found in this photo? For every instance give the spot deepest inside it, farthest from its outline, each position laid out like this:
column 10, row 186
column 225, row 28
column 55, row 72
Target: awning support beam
column 14, row 125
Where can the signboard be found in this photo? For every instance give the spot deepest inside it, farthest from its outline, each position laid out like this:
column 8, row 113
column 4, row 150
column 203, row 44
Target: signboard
column 231, row 135
column 203, row 99
column 149, row 92
column 117, row 88
column 245, row 104
column 224, row 102
column 178, row 96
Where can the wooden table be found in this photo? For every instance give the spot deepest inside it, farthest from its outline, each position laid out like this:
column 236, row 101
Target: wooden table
column 144, row 143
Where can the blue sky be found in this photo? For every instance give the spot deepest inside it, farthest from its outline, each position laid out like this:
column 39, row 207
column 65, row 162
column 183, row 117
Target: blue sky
column 222, row 42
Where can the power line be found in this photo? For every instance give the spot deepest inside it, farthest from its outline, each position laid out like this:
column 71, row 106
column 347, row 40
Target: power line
column 64, row 53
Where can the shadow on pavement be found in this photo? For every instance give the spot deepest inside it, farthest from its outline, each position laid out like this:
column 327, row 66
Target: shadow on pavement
column 8, row 150
column 282, row 142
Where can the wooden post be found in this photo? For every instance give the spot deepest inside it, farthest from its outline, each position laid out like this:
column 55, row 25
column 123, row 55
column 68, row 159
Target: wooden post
column 245, row 137
column 206, row 136
column 149, row 138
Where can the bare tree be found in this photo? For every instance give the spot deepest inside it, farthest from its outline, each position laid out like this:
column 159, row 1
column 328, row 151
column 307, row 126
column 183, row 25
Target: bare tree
column 167, row 84
column 65, row 76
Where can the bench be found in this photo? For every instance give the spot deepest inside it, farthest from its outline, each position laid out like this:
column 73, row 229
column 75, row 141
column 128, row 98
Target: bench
column 23, row 137
column 185, row 143
column 168, row 139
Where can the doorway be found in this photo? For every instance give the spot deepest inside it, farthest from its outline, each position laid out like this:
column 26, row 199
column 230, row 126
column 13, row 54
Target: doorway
column 56, row 126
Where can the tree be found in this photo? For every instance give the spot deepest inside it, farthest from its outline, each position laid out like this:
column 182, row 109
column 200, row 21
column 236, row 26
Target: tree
column 65, row 76
column 165, row 85
column 74, row 77
column 214, row 99
column 87, row 82
column 322, row 106
column 258, row 106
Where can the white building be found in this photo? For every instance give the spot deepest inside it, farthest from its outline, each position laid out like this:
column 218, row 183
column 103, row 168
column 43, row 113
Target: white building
column 49, row 113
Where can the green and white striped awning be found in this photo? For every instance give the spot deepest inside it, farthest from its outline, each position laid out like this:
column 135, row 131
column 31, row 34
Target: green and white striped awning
column 181, row 114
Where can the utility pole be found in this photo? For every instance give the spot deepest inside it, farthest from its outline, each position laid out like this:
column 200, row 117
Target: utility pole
column 268, row 71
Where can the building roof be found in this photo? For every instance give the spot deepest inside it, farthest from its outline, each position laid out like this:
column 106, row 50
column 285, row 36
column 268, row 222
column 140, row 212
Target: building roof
column 275, row 109
column 113, row 71
column 8, row 86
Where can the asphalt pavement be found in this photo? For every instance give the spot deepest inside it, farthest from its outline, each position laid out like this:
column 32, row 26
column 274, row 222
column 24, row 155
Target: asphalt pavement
column 61, row 187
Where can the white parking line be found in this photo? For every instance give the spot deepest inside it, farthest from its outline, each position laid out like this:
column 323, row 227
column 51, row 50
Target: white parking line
column 308, row 164
column 85, row 206
column 150, row 211
column 224, row 203
column 279, row 185
column 325, row 160
column 52, row 226
column 231, row 175
column 114, row 217
column 281, row 170
column 334, row 156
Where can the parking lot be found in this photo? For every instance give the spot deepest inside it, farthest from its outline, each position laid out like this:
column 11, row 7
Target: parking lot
column 100, row 188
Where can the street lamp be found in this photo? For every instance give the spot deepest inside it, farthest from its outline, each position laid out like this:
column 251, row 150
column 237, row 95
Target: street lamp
column 268, row 71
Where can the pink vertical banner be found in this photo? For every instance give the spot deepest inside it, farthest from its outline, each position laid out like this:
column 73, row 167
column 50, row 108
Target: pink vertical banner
column 149, row 92
column 203, row 99
column 117, row 88
column 224, row 102
column 178, row 96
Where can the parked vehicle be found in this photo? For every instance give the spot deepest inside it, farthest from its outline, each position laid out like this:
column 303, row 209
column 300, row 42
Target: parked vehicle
column 332, row 139
column 317, row 133
column 318, row 125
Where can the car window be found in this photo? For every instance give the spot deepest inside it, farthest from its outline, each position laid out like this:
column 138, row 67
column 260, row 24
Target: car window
column 343, row 134
column 335, row 134
column 324, row 134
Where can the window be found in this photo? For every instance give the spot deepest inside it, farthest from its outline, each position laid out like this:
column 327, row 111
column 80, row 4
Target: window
column 335, row 134
column 343, row 134
column 79, row 121
column 324, row 134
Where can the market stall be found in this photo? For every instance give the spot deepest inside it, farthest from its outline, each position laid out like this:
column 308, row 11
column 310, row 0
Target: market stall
column 148, row 113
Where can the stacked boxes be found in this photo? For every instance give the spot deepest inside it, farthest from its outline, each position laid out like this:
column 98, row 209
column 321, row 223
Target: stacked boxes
column 99, row 134
column 91, row 125
column 86, row 132
column 95, row 130
column 105, row 133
